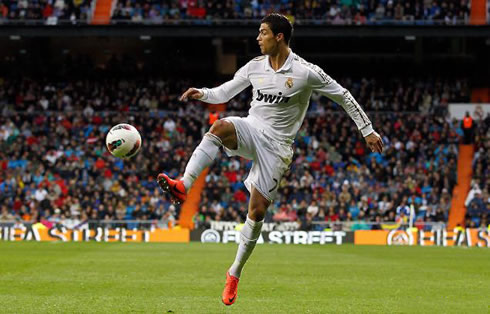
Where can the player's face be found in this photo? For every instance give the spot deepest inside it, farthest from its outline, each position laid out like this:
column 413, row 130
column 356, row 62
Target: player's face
column 268, row 43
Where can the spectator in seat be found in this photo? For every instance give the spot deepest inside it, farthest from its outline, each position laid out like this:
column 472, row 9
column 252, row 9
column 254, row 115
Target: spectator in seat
column 468, row 128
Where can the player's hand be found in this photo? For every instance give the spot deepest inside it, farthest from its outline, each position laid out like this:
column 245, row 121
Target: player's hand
column 374, row 142
column 191, row 93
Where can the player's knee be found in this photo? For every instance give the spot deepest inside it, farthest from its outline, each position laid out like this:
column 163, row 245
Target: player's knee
column 257, row 211
column 226, row 132
column 221, row 128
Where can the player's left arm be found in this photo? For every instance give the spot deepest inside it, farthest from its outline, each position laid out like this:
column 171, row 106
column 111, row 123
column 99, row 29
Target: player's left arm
column 222, row 93
column 324, row 84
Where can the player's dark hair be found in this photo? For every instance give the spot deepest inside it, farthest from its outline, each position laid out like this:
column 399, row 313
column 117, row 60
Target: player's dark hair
column 278, row 23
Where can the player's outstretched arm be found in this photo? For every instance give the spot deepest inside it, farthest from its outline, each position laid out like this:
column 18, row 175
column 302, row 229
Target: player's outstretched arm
column 327, row 86
column 222, row 93
column 191, row 93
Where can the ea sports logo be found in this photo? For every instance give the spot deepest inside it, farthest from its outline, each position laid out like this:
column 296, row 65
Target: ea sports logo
column 400, row 237
column 210, row 236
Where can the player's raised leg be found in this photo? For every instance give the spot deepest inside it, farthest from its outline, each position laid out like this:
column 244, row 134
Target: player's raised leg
column 248, row 238
column 221, row 133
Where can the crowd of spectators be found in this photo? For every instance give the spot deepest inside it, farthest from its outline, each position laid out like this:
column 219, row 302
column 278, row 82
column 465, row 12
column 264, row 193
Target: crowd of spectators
column 336, row 12
column 45, row 10
column 334, row 178
column 477, row 200
column 54, row 166
column 425, row 96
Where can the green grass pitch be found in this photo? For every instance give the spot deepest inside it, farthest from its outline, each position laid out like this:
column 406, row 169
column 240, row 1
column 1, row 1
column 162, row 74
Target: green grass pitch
column 188, row 278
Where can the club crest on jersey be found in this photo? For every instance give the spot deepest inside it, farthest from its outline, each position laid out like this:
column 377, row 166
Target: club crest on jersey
column 271, row 99
column 289, row 82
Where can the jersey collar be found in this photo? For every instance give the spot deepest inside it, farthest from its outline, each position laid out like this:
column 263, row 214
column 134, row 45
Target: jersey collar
column 286, row 66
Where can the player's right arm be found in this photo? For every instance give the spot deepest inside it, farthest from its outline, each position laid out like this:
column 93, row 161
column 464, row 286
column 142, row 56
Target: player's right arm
column 324, row 84
column 222, row 93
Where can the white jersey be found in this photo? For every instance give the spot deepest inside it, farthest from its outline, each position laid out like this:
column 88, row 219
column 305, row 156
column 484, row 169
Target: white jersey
column 281, row 98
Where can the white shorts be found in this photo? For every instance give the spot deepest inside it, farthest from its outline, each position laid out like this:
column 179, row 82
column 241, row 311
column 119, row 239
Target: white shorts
column 271, row 159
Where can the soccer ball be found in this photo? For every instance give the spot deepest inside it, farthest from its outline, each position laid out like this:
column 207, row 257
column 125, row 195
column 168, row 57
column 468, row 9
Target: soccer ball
column 123, row 141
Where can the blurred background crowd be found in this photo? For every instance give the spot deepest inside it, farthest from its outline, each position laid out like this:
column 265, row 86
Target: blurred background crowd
column 55, row 167
column 335, row 12
column 24, row 10
column 64, row 85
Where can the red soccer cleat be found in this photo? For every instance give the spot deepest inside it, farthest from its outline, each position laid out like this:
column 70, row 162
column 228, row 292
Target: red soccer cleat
column 230, row 291
column 176, row 188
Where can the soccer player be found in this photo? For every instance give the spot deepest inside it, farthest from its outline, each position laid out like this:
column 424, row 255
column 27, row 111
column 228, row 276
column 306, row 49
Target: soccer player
column 282, row 85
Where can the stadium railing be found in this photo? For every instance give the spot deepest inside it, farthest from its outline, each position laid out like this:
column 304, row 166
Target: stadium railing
column 228, row 22
column 315, row 225
column 309, row 22
column 42, row 22
column 386, row 225
column 6, row 112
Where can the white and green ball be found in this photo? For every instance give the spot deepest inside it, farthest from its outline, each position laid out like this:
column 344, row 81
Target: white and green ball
column 123, row 141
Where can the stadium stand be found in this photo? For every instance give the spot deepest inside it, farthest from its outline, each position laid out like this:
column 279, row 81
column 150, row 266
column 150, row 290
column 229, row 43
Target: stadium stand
column 318, row 12
column 58, row 100
column 56, row 169
column 343, row 12
column 43, row 10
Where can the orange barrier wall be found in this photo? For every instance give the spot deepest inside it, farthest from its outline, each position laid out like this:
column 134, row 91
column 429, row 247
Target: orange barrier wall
column 480, row 95
column 98, row 235
column 102, row 13
column 462, row 237
column 375, row 237
column 460, row 191
column 478, row 14
column 191, row 205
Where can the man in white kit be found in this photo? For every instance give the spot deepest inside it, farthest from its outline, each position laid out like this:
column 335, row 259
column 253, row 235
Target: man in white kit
column 282, row 85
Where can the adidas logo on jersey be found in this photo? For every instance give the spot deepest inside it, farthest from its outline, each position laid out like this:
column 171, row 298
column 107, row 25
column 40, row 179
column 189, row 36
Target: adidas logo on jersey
column 271, row 99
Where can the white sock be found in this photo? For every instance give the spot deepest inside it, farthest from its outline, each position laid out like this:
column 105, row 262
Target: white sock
column 202, row 157
column 248, row 238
